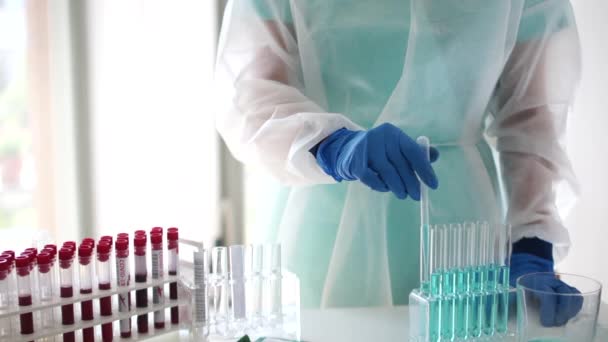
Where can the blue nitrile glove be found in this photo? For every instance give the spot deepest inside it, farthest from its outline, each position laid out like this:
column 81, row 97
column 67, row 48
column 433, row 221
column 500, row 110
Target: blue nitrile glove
column 532, row 255
column 383, row 158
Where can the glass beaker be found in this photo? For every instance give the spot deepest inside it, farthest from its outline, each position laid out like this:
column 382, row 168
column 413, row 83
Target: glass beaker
column 557, row 307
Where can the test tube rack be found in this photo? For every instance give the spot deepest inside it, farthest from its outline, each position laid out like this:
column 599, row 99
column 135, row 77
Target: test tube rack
column 13, row 314
column 240, row 290
column 464, row 290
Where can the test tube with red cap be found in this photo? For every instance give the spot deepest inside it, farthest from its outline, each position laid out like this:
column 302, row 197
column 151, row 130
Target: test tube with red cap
column 52, row 251
column 66, row 279
column 24, row 290
column 31, row 255
column 104, row 270
column 141, row 274
column 85, row 253
column 172, row 246
column 5, row 266
column 46, row 287
column 156, row 239
column 123, row 277
column 11, row 277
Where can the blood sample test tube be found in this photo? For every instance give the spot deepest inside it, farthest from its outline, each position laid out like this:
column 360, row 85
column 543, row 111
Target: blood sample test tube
column 10, row 277
column 173, row 248
column 156, row 239
column 141, row 273
column 52, row 251
column 46, row 283
column 104, row 270
column 5, row 266
column 123, row 277
column 85, row 253
column 31, row 255
column 66, row 278
column 24, row 290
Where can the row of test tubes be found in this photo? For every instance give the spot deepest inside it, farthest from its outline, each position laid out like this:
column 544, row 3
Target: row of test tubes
column 239, row 290
column 468, row 282
column 38, row 279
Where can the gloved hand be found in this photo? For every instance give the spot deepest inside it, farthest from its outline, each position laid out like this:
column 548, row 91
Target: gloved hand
column 383, row 158
column 554, row 310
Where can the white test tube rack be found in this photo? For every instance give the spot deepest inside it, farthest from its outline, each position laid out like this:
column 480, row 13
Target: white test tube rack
column 12, row 314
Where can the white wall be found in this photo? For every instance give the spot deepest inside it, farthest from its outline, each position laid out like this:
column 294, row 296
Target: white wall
column 154, row 141
column 588, row 147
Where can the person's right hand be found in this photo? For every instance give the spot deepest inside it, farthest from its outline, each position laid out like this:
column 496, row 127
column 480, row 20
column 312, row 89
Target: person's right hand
column 383, row 158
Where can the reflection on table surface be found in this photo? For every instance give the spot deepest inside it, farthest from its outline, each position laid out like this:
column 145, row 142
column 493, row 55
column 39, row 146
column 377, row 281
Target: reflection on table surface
column 368, row 324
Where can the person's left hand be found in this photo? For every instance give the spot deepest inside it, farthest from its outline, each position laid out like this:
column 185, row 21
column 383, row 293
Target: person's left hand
column 555, row 309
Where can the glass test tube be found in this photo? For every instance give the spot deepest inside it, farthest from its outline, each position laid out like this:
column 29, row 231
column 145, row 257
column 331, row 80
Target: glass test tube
column 156, row 239
column 173, row 251
column 503, row 256
column 123, row 277
column 425, row 269
column 220, row 287
column 460, row 323
column 104, row 280
column 141, row 275
column 4, row 295
column 46, row 283
column 253, row 272
column 237, row 282
column 435, row 283
column 33, row 253
column 24, row 290
column 448, row 315
column 85, row 253
column 11, row 277
column 272, row 265
column 52, row 250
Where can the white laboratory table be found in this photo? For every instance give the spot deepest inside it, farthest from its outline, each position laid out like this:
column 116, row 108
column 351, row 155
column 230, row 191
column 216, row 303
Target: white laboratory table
column 368, row 324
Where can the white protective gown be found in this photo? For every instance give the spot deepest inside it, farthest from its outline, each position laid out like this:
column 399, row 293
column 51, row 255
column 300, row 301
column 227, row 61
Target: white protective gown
column 489, row 81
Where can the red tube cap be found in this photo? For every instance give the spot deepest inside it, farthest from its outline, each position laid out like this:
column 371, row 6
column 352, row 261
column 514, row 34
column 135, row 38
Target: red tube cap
column 4, row 264
column 22, row 261
column 30, row 256
column 51, row 247
column 8, row 257
column 172, row 235
column 12, row 253
column 139, row 241
column 33, row 250
column 103, row 247
column 156, row 229
column 122, row 244
column 43, row 258
column 66, row 253
column 51, row 252
column 156, row 238
column 85, row 251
